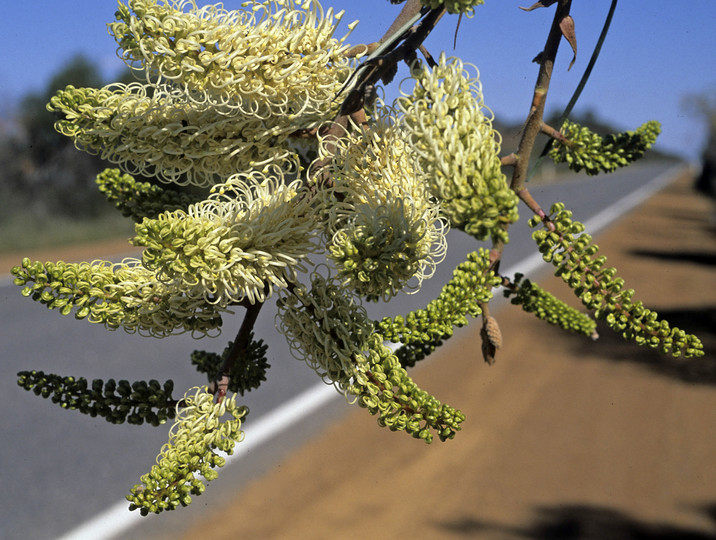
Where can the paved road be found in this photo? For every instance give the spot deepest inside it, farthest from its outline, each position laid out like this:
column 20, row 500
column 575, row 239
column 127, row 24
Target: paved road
column 61, row 468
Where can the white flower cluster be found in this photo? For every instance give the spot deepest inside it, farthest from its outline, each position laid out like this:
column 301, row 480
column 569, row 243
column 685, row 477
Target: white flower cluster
column 384, row 226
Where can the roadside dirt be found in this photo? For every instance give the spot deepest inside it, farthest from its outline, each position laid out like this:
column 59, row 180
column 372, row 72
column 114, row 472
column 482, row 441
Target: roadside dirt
column 564, row 438
column 85, row 252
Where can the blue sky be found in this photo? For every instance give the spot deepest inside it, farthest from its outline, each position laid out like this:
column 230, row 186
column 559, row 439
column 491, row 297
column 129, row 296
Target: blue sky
column 656, row 53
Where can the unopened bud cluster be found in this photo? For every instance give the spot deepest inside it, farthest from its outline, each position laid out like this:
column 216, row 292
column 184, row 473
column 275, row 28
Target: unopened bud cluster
column 384, row 387
column 137, row 200
column 470, row 286
column 586, row 150
column 190, row 456
column 123, row 295
column 577, row 262
column 547, row 307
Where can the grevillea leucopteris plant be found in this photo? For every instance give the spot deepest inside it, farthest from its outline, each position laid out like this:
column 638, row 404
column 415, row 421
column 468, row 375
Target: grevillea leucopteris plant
column 308, row 188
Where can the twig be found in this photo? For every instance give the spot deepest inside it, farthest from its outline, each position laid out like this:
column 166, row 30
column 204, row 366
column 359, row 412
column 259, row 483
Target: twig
column 554, row 134
column 533, row 124
column 509, row 160
column 382, row 66
column 239, row 347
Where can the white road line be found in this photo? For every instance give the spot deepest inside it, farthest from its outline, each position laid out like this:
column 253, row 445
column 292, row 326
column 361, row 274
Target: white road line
column 634, row 199
column 118, row 518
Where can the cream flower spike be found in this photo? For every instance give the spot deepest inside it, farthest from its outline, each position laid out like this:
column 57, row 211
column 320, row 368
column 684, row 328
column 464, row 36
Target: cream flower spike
column 272, row 58
column 153, row 131
column 327, row 328
column 385, row 229
column 251, row 236
column 450, row 130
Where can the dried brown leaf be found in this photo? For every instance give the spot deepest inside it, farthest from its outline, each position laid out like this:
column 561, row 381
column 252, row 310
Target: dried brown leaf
column 540, row 4
column 567, row 27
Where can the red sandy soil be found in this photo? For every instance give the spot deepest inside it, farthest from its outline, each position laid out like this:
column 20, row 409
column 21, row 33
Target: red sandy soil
column 85, row 252
column 564, row 438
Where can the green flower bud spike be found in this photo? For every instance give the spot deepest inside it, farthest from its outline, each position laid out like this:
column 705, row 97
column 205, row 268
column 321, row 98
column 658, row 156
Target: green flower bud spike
column 533, row 299
column 583, row 149
column 423, row 330
column 599, row 288
column 138, row 200
column 190, row 455
column 450, row 130
column 123, row 295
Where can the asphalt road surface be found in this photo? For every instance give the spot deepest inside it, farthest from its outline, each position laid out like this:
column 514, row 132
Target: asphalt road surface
column 61, row 469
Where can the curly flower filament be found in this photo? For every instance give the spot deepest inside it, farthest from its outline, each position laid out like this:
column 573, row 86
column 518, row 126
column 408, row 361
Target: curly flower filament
column 155, row 132
column 190, row 454
column 324, row 327
column 225, row 92
column 251, row 236
column 385, row 229
column 334, row 336
column 450, row 130
column 272, row 58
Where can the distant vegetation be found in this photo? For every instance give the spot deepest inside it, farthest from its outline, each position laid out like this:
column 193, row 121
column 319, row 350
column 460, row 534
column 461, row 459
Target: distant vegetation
column 48, row 191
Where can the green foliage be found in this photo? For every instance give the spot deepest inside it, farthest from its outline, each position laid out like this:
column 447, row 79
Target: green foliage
column 599, row 288
column 137, row 200
column 114, row 401
column 533, row 299
column 586, row 150
column 248, row 370
column 190, row 455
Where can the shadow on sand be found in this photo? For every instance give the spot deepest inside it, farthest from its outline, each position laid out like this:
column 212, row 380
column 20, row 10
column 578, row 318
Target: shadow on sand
column 702, row 322
column 580, row 522
column 689, row 257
